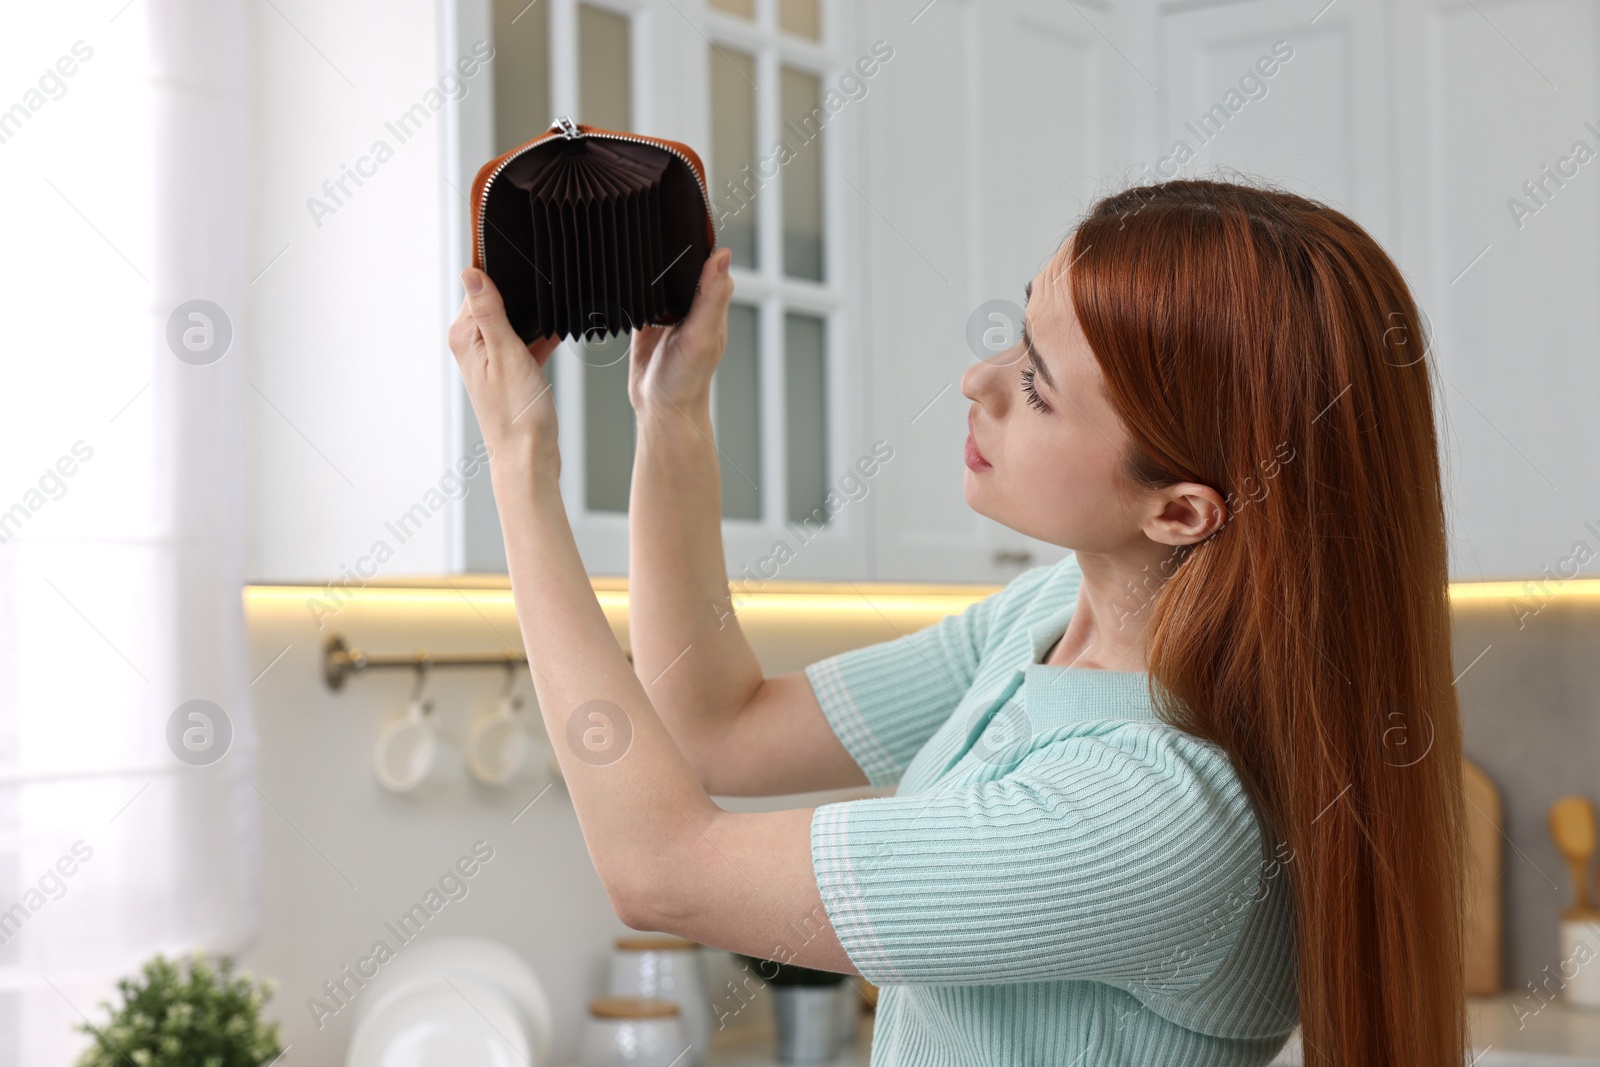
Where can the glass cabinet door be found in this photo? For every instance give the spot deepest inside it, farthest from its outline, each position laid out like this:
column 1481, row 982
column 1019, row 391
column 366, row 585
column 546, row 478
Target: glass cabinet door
column 749, row 76
column 774, row 150
column 605, row 80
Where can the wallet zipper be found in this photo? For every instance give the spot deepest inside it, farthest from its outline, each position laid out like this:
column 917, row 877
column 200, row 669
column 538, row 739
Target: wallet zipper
column 570, row 131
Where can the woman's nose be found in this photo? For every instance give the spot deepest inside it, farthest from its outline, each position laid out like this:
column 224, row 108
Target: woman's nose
column 982, row 381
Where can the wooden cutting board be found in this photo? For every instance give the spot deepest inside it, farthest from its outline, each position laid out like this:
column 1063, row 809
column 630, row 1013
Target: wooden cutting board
column 1484, row 817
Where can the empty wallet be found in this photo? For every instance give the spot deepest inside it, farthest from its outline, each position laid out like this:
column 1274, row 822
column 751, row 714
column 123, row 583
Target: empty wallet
column 589, row 232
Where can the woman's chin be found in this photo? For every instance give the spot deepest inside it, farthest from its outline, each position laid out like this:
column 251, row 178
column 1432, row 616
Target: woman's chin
column 975, row 492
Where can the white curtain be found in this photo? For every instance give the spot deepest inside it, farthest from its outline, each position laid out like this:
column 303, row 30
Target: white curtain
column 122, row 134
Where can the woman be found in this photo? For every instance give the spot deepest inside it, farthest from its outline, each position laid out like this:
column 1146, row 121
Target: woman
column 1158, row 802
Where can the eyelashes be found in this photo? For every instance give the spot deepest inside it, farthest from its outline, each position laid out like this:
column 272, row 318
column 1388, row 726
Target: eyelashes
column 1030, row 392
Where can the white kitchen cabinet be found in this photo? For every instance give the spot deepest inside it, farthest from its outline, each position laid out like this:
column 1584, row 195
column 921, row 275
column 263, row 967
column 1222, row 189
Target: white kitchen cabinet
column 788, row 400
column 997, row 128
column 1261, row 88
column 1465, row 136
column 1497, row 192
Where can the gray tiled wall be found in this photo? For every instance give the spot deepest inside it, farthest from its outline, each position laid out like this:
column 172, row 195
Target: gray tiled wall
column 1530, row 707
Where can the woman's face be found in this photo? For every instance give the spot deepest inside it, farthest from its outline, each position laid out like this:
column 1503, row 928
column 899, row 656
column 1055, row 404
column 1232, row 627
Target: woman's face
column 1048, row 464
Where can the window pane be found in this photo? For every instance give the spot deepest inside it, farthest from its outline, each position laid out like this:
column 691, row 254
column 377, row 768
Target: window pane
column 605, row 80
column 521, row 89
column 803, row 119
column 805, row 405
column 521, row 72
column 608, row 429
column 604, row 96
column 745, row 9
column 733, row 150
column 802, row 17
column 737, row 415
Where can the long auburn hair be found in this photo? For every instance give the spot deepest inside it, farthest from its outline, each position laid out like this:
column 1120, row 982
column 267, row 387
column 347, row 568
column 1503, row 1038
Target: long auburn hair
column 1263, row 344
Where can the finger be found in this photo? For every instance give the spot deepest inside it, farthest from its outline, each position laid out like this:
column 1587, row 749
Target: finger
column 488, row 309
column 462, row 331
column 716, row 289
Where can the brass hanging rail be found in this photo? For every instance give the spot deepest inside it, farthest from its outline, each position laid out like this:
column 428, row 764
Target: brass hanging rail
column 340, row 661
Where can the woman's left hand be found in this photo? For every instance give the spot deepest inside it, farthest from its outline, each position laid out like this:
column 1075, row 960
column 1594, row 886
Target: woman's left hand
column 504, row 377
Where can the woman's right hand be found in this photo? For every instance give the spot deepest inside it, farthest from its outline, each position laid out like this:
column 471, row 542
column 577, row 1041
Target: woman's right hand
column 672, row 365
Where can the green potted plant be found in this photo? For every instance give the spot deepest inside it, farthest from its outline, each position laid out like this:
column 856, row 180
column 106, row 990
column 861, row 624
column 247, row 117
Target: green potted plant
column 194, row 1017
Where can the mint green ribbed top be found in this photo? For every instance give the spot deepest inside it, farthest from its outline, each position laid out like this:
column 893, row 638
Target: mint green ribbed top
column 1061, row 879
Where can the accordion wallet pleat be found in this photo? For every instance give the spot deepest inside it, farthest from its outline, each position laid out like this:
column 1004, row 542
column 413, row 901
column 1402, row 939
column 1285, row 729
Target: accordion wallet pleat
column 590, row 232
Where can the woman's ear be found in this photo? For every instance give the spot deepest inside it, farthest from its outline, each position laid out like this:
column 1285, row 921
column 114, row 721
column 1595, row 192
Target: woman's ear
column 1184, row 513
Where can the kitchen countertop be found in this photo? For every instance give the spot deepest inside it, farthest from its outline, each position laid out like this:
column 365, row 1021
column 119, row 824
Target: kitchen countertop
column 1514, row 1030
column 755, row 1045
column 1508, row 1030
column 1525, row 1032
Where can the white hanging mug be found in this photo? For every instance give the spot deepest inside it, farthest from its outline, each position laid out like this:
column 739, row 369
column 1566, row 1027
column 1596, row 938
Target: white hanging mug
column 406, row 748
column 498, row 743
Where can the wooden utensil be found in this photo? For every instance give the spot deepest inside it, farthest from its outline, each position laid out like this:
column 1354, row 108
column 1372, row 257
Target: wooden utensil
column 1572, row 825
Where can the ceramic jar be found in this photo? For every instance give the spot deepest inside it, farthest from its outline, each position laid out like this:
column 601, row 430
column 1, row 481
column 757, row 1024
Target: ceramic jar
column 633, row 1032
column 667, row 968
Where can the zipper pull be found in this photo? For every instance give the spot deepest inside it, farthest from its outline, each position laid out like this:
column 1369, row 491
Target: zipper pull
column 568, row 128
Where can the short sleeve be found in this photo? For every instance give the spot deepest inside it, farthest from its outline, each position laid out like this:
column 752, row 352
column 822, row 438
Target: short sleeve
column 1127, row 858
column 885, row 700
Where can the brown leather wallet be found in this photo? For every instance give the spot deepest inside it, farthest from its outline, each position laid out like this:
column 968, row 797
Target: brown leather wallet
column 589, row 232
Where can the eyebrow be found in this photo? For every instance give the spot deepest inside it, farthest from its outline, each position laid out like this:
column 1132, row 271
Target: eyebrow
column 1027, row 341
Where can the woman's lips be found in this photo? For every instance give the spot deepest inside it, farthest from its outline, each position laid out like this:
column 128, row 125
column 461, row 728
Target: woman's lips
column 975, row 460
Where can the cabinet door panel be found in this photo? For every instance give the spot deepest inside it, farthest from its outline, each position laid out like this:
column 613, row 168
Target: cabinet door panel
column 1503, row 254
column 732, row 81
column 1261, row 89
column 988, row 145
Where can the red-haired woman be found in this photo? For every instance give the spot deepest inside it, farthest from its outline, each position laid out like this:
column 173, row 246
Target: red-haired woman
column 1156, row 803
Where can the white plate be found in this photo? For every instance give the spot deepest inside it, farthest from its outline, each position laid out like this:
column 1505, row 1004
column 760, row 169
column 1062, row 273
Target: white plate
column 453, row 1000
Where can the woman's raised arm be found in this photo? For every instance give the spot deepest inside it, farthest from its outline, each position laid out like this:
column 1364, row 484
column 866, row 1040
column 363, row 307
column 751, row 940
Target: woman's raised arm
column 744, row 734
column 669, row 857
